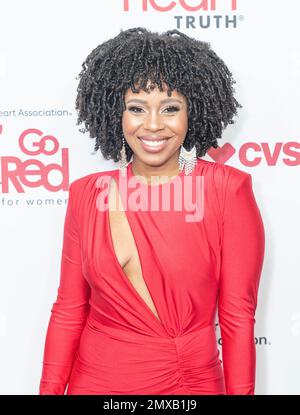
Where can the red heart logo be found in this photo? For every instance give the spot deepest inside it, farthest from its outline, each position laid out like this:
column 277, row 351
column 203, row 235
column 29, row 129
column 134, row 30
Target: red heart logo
column 221, row 154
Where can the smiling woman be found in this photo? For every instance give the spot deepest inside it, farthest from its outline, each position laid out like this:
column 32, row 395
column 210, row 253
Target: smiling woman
column 139, row 64
column 139, row 287
column 155, row 127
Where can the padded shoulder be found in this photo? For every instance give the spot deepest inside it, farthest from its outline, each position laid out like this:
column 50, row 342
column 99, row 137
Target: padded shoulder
column 82, row 188
column 221, row 179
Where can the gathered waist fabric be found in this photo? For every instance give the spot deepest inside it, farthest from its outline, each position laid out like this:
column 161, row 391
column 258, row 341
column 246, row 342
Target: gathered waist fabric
column 185, row 364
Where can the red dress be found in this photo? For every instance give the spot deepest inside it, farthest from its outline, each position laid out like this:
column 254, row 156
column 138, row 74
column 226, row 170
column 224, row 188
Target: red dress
column 103, row 338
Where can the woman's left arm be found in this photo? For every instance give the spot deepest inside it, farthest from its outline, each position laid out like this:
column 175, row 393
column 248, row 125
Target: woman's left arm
column 242, row 254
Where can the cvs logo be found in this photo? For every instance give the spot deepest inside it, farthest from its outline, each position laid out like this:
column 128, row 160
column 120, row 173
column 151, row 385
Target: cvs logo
column 251, row 154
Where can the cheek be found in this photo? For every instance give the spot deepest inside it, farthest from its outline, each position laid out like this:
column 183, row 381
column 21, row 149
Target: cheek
column 179, row 124
column 129, row 123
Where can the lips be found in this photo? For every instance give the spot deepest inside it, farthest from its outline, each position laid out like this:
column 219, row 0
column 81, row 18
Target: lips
column 153, row 144
column 152, row 138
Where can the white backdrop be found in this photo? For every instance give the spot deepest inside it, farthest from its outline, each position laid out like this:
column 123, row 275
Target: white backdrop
column 42, row 46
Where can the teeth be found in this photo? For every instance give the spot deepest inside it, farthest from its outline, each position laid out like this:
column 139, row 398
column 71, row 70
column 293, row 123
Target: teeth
column 153, row 143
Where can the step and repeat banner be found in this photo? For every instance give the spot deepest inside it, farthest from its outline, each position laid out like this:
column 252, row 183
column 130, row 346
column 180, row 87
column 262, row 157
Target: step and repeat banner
column 42, row 47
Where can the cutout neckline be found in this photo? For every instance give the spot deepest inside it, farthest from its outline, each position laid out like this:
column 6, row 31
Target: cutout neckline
column 112, row 249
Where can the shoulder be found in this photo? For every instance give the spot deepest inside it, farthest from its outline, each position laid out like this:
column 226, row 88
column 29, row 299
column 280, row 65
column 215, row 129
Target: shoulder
column 84, row 188
column 223, row 176
column 223, row 182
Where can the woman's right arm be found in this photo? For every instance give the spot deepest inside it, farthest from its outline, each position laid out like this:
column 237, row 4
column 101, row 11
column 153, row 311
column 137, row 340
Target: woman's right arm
column 68, row 313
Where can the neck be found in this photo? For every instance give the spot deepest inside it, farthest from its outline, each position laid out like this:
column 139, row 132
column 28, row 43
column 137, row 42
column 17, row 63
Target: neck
column 168, row 169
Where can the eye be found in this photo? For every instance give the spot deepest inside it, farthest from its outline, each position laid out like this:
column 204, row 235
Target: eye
column 132, row 108
column 173, row 108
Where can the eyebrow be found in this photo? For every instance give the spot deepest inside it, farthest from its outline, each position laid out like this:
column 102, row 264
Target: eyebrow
column 163, row 101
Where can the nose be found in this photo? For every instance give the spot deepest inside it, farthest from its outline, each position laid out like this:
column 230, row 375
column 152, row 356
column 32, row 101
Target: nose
column 153, row 121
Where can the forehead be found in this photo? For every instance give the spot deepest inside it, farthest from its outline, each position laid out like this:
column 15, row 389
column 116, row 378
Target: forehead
column 153, row 95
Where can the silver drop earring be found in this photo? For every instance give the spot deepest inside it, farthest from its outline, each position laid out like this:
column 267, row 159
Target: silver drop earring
column 187, row 159
column 123, row 160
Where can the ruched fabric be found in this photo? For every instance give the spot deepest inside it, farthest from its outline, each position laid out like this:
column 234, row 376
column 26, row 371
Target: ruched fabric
column 103, row 338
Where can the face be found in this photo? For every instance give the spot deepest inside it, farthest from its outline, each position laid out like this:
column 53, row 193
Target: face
column 155, row 125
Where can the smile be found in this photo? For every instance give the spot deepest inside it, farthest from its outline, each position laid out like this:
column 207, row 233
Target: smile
column 153, row 145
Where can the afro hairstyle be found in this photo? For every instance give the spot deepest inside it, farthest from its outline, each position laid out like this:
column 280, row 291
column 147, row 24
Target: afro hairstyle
column 132, row 59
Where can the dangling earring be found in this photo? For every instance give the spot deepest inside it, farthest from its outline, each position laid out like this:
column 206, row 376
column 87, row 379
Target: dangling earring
column 123, row 160
column 187, row 159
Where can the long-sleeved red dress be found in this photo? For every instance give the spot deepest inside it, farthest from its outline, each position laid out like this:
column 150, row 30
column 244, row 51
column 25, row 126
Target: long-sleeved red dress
column 102, row 336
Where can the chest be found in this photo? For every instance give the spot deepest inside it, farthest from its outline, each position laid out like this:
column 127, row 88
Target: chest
column 123, row 241
column 125, row 249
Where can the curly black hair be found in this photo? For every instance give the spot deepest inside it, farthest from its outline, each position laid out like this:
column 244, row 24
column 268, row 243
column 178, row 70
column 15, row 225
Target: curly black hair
column 136, row 56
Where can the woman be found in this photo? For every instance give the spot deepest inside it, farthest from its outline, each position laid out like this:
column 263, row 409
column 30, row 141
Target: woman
column 140, row 286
